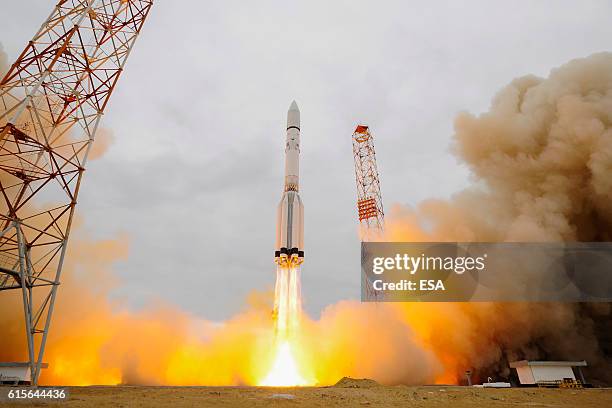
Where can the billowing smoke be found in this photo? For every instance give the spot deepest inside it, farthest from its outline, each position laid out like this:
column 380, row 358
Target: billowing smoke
column 94, row 340
column 541, row 160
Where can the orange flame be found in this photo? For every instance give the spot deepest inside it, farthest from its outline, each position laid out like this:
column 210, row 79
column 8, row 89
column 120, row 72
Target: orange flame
column 285, row 370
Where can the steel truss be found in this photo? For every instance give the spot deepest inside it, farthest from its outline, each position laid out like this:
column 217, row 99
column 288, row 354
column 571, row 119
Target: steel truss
column 51, row 102
column 369, row 200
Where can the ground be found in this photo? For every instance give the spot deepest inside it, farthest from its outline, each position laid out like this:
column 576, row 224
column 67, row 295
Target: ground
column 375, row 396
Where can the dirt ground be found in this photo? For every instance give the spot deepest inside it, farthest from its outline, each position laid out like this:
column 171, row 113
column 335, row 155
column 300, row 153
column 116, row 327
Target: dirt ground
column 376, row 396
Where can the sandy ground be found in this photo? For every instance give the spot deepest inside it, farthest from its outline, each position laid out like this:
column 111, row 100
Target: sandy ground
column 378, row 396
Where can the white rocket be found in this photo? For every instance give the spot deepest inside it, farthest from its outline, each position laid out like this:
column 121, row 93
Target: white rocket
column 289, row 250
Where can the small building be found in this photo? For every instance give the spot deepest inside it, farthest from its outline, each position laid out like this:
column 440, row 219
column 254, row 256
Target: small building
column 16, row 373
column 542, row 372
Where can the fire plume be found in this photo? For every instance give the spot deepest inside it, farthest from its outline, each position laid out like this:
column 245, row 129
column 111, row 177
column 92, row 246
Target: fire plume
column 285, row 370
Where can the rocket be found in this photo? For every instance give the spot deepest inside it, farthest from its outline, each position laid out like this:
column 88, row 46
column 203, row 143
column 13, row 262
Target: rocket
column 289, row 250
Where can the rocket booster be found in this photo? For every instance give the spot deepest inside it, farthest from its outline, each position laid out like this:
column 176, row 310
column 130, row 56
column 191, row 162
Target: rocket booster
column 289, row 250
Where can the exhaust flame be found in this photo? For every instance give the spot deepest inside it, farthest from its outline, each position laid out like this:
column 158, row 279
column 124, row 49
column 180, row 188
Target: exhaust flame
column 287, row 301
column 287, row 313
column 285, row 371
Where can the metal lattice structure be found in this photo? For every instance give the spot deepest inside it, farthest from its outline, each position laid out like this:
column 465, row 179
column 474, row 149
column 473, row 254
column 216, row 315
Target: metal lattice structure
column 369, row 200
column 51, row 102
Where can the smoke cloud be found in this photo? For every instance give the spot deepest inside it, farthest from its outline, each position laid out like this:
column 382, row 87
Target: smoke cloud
column 541, row 160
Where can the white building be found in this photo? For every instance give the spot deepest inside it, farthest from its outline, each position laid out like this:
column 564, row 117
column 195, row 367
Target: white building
column 534, row 372
column 16, row 373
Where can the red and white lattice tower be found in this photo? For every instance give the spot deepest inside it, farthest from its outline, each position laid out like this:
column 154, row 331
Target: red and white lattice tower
column 369, row 200
column 51, row 102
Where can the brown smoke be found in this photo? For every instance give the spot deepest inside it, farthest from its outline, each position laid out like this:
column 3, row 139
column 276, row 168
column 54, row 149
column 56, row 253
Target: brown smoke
column 541, row 160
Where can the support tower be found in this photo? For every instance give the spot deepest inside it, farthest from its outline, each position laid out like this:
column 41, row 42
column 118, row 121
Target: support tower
column 51, row 102
column 369, row 200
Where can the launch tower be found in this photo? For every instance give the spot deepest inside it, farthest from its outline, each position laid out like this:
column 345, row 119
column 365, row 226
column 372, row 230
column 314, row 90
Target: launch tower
column 51, row 102
column 369, row 200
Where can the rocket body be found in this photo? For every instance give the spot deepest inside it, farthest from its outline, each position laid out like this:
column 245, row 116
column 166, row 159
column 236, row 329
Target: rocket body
column 289, row 249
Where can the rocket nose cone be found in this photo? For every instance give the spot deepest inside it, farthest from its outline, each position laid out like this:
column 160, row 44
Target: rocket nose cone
column 293, row 116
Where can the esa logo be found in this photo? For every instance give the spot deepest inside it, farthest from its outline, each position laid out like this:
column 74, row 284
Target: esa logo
column 431, row 284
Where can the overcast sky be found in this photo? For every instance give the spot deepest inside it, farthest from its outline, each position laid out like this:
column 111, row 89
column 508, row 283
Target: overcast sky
column 196, row 171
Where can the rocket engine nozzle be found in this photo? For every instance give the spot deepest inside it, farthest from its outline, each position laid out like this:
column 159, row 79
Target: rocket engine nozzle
column 288, row 258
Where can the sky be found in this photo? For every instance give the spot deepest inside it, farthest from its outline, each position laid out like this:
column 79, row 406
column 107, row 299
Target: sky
column 195, row 172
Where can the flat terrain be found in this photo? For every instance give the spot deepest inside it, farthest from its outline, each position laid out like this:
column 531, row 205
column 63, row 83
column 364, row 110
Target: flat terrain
column 375, row 396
